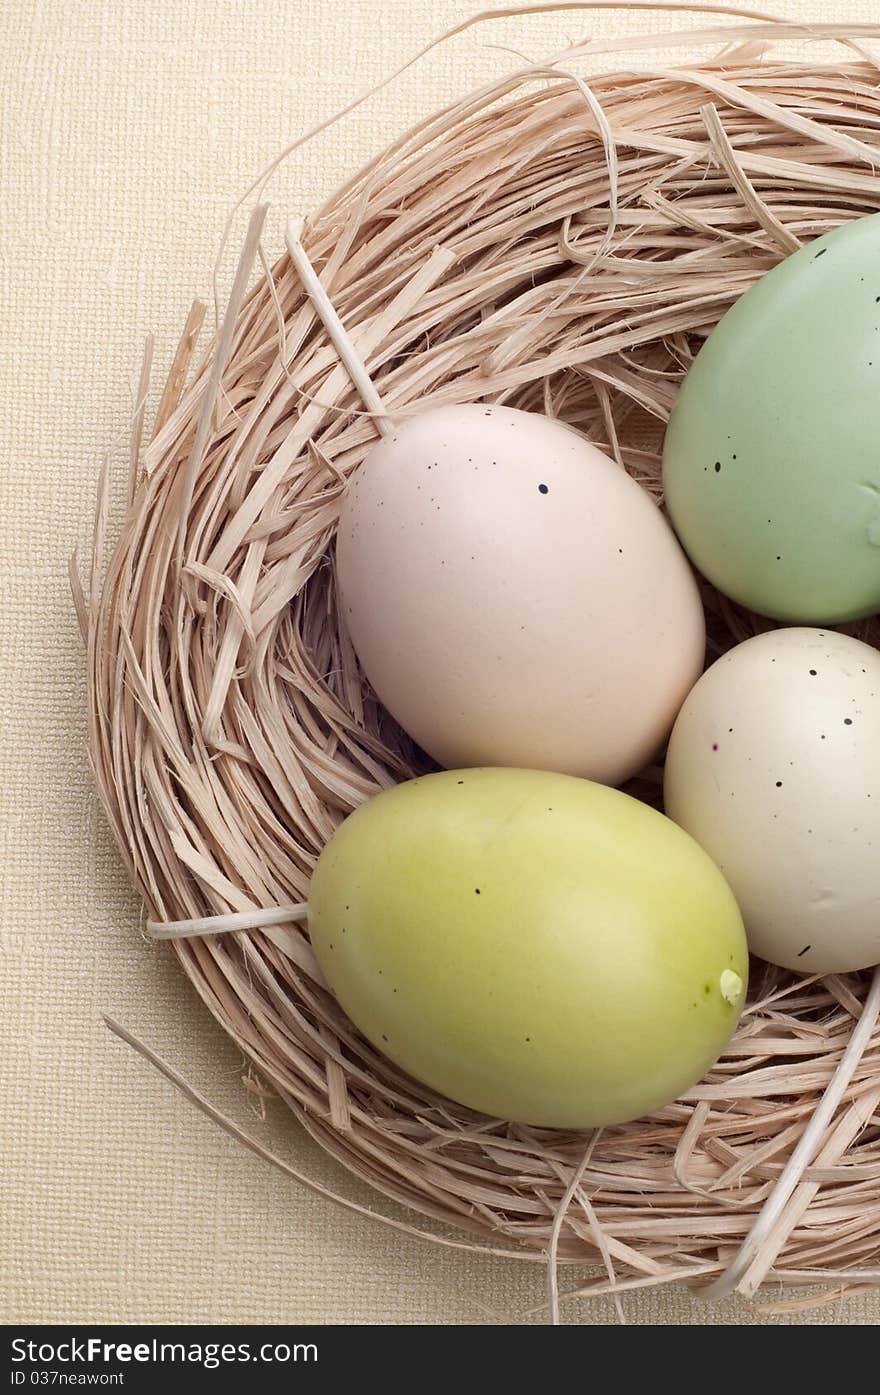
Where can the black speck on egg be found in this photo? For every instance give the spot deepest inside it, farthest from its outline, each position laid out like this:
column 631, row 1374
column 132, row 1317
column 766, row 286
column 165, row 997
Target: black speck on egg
column 779, row 784
column 718, row 467
column 847, row 721
column 543, row 489
column 812, row 673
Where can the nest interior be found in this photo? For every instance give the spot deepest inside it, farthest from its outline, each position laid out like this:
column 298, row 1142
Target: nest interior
column 564, row 248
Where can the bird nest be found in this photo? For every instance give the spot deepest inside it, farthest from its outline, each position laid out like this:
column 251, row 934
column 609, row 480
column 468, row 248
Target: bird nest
column 563, row 247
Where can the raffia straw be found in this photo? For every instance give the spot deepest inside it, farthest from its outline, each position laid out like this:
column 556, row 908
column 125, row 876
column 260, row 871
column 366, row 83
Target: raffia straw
column 222, row 350
column 177, row 374
column 224, row 924
column 231, row 730
column 339, row 337
column 768, row 1233
column 560, row 1212
column 137, row 427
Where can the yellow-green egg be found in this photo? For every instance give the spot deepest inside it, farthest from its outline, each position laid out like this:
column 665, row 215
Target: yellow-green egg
column 770, row 467
column 531, row 945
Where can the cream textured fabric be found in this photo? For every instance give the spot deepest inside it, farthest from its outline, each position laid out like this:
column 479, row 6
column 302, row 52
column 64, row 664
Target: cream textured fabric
column 129, row 127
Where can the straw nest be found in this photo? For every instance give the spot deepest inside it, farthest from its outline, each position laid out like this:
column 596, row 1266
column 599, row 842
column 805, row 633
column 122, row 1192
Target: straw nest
column 565, row 248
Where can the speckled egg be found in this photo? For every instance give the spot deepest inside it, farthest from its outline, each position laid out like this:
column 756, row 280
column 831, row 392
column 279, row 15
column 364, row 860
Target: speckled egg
column 771, row 467
column 537, row 947
column 514, row 597
column 774, row 768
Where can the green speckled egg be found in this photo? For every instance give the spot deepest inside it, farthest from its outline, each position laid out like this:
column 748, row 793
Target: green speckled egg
column 772, row 457
column 532, row 945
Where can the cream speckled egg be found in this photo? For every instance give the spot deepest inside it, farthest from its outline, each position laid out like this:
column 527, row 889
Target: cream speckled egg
column 514, row 597
column 774, row 767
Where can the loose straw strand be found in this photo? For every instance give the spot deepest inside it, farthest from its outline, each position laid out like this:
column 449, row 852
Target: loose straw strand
column 559, row 1221
column 225, row 924
column 341, row 340
column 808, row 1146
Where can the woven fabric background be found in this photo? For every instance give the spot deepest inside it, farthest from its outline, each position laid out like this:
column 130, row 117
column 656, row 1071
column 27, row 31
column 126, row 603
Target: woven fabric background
column 128, row 129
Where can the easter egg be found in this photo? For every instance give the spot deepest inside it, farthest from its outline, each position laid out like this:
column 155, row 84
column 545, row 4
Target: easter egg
column 514, row 597
column 531, row 945
column 770, row 465
column 774, row 767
